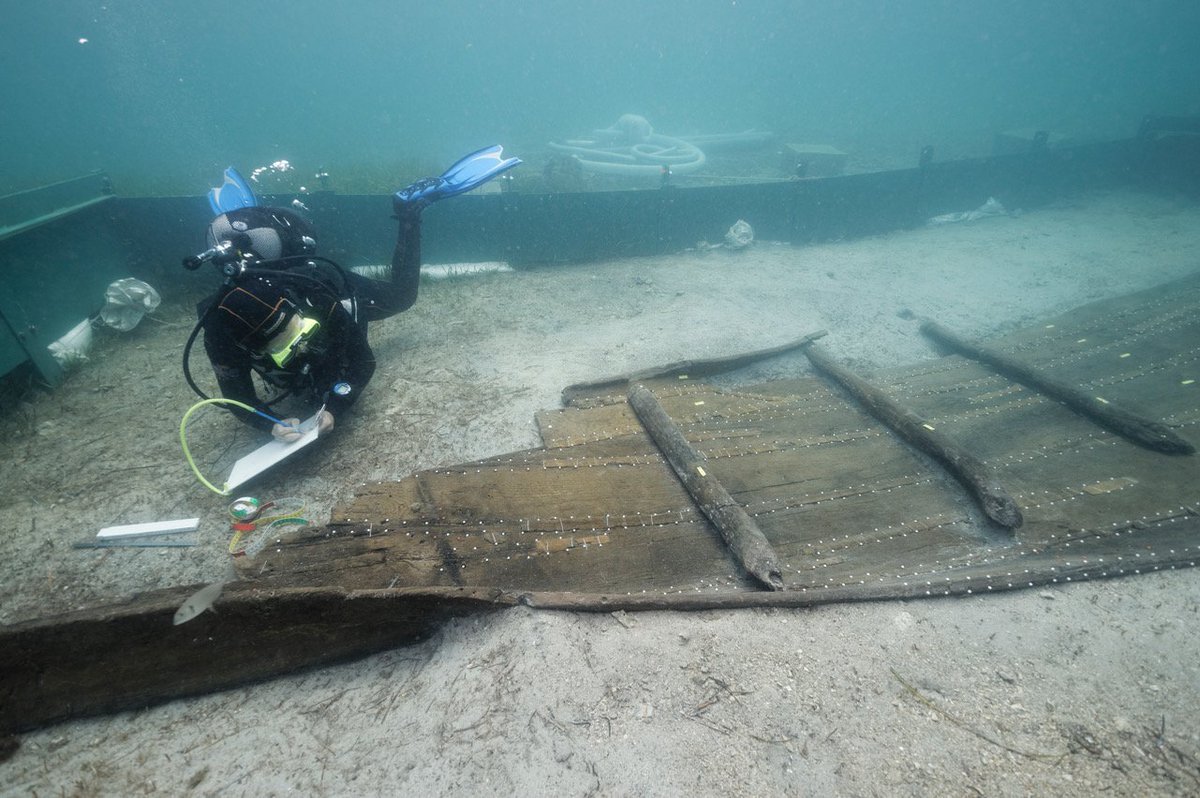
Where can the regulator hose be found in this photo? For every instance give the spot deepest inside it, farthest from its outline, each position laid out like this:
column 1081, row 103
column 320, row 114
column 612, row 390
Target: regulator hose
column 222, row 491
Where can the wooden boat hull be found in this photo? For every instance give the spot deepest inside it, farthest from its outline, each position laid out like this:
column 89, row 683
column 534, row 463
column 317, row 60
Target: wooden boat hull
column 852, row 509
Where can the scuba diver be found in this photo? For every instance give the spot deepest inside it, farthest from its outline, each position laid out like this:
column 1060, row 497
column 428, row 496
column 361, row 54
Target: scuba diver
column 298, row 320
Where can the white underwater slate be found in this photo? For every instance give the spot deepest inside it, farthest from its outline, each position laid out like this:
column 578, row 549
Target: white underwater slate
column 149, row 528
column 270, row 454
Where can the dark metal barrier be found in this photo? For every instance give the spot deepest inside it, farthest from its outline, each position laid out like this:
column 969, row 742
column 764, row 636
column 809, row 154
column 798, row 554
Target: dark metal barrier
column 56, row 262
column 526, row 229
column 58, row 252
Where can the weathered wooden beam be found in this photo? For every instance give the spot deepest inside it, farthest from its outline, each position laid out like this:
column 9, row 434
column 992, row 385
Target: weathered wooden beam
column 741, row 534
column 969, row 470
column 1131, row 426
column 696, row 368
column 130, row 655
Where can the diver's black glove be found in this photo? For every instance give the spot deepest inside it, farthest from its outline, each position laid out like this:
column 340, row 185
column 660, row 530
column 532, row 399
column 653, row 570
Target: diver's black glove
column 408, row 209
column 418, row 196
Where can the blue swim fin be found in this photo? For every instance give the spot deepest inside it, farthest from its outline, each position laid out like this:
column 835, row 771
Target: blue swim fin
column 232, row 194
column 467, row 173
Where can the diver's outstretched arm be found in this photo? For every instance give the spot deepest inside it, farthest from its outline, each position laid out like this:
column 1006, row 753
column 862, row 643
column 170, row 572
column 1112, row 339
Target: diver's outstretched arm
column 379, row 299
column 406, row 257
column 467, row 173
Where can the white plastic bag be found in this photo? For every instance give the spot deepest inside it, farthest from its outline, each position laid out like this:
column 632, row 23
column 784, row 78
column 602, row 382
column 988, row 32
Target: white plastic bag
column 990, row 208
column 126, row 301
column 72, row 348
column 740, row 236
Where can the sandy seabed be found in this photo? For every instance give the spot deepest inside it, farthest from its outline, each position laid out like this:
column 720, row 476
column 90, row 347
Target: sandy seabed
column 1092, row 688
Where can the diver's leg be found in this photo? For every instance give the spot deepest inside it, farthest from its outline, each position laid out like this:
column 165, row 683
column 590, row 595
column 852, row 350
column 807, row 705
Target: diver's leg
column 379, row 299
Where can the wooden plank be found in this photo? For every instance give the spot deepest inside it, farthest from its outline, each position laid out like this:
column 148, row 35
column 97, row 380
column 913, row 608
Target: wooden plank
column 135, row 657
column 1143, row 431
column 747, row 542
column 130, row 655
column 598, row 522
column 688, row 369
column 572, row 427
column 966, row 468
column 631, row 554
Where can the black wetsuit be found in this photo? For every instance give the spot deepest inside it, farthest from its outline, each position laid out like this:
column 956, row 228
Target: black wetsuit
column 339, row 353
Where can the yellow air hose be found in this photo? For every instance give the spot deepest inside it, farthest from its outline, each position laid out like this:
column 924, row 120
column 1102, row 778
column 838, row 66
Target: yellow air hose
column 223, row 491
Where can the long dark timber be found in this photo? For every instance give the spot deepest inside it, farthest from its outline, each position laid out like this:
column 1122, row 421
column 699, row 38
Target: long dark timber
column 692, row 368
column 129, row 655
column 974, row 474
column 1131, row 426
column 738, row 529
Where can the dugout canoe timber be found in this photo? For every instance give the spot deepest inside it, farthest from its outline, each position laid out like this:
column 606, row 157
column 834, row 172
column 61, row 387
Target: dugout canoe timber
column 597, row 518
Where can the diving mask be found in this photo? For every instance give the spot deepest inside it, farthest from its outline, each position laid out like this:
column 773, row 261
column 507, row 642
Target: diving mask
column 294, row 341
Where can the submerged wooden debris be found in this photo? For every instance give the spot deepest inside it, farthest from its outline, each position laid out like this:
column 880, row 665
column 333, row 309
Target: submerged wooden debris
column 1140, row 430
column 822, row 500
column 968, row 469
column 743, row 537
column 844, row 502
